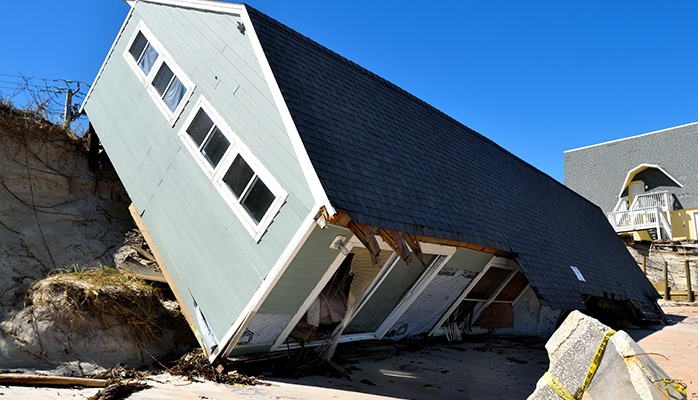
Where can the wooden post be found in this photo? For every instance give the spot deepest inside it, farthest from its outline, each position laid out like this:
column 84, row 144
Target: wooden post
column 689, row 289
column 644, row 265
column 68, row 109
column 667, row 296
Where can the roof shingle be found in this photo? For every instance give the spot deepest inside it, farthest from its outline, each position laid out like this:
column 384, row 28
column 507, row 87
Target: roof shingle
column 391, row 160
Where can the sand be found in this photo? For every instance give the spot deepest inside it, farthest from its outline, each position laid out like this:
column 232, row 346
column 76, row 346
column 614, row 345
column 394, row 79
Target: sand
column 484, row 367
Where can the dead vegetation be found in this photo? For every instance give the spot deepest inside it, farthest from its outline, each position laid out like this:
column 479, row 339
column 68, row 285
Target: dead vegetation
column 105, row 294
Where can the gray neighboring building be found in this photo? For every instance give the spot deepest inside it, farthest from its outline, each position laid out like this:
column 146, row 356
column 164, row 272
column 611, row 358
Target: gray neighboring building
column 294, row 198
column 646, row 184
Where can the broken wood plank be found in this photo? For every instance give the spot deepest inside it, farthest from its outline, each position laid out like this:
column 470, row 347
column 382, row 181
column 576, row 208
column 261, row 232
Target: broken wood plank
column 413, row 243
column 142, row 271
column 143, row 252
column 397, row 243
column 365, row 234
column 44, row 380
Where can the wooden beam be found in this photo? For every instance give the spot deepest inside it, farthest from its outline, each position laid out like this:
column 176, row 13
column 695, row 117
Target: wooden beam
column 43, row 380
column 397, row 243
column 365, row 234
column 342, row 218
column 413, row 243
column 471, row 246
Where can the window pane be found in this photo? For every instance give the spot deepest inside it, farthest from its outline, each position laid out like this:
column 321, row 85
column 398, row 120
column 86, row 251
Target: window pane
column 238, row 176
column 148, row 59
column 174, row 94
column 200, row 127
column 137, row 46
column 258, row 200
column 163, row 78
column 215, row 147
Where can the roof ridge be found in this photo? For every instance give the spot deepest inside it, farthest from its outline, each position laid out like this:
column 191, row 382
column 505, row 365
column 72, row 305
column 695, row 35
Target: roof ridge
column 677, row 127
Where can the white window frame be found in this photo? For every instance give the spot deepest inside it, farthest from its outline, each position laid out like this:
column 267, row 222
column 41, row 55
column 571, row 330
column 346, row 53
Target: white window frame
column 216, row 175
column 147, row 80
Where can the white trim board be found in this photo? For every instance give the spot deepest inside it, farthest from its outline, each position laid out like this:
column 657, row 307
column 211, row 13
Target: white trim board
column 634, row 171
column 207, row 5
column 311, row 176
column 236, row 330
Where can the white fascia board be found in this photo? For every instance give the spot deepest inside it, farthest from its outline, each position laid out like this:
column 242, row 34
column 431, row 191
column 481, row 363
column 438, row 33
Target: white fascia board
column 311, row 176
column 631, row 175
column 630, row 137
column 232, row 336
column 106, row 59
column 205, row 5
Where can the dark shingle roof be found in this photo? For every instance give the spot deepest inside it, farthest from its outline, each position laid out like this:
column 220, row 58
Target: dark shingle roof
column 393, row 161
column 598, row 172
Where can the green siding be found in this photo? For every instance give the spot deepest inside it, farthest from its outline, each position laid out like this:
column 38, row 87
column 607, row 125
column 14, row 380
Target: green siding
column 304, row 272
column 469, row 260
column 201, row 240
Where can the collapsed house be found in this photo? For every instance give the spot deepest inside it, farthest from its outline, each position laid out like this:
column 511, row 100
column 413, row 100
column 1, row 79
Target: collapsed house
column 294, row 198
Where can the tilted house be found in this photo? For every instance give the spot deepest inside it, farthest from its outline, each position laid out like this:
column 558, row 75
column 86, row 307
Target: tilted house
column 647, row 184
column 294, row 197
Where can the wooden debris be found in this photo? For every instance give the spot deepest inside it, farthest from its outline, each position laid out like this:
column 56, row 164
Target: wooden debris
column 44, row 380
column 413, row 243
column 365, row 234
column 142, row 272
column 119, row 390
column 143, row 252
column 397, row 243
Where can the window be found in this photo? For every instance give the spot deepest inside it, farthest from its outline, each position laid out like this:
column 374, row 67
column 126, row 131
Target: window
column 143, row 53
column 252, row 193
column 209, row 140
column 162, row 78
column 169, row 87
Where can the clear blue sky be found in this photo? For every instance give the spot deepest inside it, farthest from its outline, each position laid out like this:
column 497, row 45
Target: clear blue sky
column 537, row 77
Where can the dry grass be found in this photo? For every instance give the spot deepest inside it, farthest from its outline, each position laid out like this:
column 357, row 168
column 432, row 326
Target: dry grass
column 82, row 295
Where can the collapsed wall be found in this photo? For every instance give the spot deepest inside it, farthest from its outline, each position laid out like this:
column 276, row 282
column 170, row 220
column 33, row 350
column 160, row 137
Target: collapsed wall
column 55, row 213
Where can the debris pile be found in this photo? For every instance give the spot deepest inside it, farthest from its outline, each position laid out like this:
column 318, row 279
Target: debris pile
column 195, row 366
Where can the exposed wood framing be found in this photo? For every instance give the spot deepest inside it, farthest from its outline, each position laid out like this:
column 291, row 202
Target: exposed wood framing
column 397, row 243
column 471, row 246
column 366, row 235
column 400, row 241
column 414, row 245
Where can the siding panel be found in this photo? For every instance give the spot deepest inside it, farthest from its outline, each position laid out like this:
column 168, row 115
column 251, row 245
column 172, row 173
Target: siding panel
column 202, row 241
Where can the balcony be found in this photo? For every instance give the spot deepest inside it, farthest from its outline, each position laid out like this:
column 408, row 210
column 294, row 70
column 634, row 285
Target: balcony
column 648, row 211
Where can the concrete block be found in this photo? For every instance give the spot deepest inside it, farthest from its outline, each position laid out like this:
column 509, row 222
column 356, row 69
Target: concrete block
column 624, row 371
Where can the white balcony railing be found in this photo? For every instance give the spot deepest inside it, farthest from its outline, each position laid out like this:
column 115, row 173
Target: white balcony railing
column 650, row 200
column 637, row 219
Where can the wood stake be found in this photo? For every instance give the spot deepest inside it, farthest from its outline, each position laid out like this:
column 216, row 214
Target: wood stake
column 691, row 296
column 667, row 296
